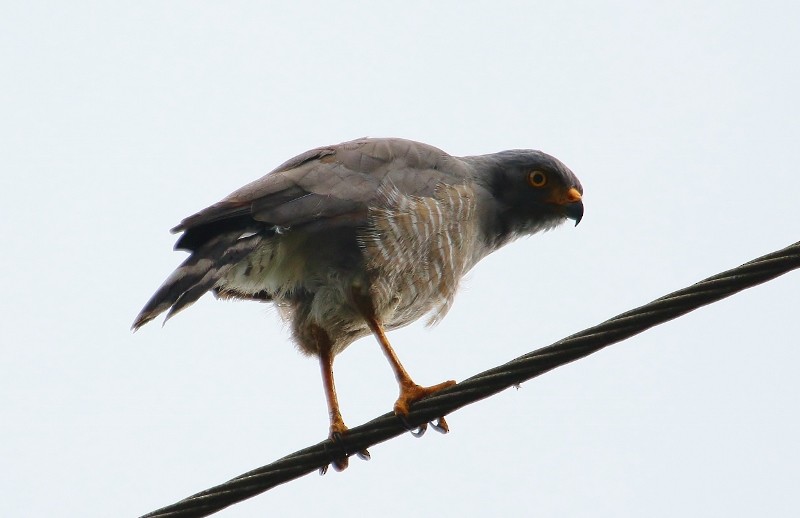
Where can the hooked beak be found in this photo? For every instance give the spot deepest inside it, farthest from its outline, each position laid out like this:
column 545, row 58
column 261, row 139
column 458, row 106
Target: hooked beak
column 573, row 205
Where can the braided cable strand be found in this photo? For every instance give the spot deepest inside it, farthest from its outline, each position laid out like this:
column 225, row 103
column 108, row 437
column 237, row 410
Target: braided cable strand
column 488, row 383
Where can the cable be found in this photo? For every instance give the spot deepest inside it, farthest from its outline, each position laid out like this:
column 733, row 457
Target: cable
column 487, row 383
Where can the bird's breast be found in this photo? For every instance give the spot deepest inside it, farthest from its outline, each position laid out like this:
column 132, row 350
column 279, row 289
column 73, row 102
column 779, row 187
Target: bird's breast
column 417, row 249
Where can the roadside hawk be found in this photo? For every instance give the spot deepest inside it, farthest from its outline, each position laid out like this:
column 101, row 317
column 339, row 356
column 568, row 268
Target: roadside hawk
column 364, row 237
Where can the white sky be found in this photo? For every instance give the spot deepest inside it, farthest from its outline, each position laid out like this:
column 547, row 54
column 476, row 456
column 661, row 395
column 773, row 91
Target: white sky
column 680, row 118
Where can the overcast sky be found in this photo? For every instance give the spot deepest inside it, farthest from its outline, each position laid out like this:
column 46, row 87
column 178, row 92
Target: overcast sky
column 681, row 119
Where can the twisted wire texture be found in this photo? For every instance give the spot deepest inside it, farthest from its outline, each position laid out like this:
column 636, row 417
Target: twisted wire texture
column 487, row 383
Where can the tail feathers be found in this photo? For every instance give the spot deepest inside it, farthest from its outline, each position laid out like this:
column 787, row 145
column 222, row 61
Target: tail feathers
column 198, row 274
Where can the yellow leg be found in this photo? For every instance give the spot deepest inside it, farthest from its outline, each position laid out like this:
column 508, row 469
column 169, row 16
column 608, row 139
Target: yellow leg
column 338, row 427
column 326, row 366
column 410, row 392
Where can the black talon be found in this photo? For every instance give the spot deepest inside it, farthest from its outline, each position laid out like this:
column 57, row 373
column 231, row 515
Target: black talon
column 441, row 426
column 364, row 455
column 420, row 431
column 416, row 431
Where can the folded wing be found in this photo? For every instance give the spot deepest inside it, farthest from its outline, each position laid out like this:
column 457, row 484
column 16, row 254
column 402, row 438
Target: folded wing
column 325, row 187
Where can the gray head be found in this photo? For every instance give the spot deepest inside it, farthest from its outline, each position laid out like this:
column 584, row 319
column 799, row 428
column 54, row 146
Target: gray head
column 531, row 191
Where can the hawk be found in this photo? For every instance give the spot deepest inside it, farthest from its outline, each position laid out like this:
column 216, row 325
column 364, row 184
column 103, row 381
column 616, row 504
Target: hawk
column 364, row 237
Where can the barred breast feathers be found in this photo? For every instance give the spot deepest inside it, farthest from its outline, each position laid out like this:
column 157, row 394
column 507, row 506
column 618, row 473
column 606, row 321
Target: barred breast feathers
column 420, row 247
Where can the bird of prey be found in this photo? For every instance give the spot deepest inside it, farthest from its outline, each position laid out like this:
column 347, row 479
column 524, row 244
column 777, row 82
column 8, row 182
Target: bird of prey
column 364, row 237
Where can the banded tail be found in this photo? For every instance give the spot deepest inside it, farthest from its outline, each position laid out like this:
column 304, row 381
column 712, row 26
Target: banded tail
column 199, row 273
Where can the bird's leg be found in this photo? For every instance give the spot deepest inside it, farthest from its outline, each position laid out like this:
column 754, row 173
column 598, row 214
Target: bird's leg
column 337, row 423
column 410, row 392
column 338, row 428
column 326, row 366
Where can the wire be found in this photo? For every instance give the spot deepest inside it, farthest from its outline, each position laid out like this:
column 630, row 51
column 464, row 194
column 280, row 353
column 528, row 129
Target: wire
column 487, row 383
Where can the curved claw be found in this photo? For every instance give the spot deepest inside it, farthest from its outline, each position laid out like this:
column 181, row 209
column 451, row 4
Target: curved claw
column 441, row 426
column 420, row 431
column 416, row 431
column 364, row 454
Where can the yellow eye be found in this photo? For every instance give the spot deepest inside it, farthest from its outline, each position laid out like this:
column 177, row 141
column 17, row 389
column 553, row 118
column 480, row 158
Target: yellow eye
column 537, row 179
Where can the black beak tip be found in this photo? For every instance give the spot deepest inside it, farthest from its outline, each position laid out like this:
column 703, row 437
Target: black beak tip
column 574, row 211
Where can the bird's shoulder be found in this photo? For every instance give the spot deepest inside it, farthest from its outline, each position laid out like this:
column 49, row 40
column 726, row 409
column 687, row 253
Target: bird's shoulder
column 356, row 169
column 334, row 179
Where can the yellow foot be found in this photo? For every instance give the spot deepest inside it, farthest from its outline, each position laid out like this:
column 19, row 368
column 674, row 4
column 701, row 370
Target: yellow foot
column 340, row 460
column 338, row 429
column 410, row 393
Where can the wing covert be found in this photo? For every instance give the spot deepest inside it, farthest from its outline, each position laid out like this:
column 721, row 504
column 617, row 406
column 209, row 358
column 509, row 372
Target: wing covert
column 333, row 182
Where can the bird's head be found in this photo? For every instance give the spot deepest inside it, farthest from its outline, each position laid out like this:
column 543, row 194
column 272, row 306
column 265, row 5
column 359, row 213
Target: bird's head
column 531, row 191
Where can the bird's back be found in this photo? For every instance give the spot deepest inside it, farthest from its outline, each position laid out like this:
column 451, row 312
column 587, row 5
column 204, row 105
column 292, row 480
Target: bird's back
column 393, row 211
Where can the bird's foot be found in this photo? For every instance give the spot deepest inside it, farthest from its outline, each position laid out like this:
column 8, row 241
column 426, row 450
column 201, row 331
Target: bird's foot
column 410, row 393
column 340, row 456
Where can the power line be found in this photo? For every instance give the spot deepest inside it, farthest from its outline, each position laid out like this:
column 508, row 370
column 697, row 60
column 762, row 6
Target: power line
column 488, row 383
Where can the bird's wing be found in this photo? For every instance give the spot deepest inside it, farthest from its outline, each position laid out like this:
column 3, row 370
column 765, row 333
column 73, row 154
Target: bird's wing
column 325, row 185
column 322, row 188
